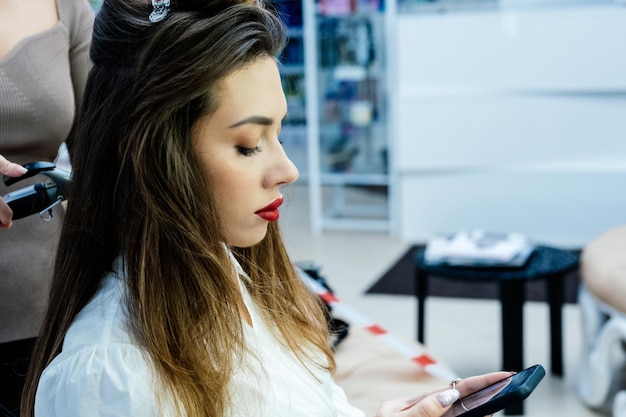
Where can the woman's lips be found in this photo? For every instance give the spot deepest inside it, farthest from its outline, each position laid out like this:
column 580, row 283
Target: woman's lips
column 270, row 212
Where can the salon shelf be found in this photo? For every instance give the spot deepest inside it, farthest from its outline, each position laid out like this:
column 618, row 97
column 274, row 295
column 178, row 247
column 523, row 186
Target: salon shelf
column 346, row 87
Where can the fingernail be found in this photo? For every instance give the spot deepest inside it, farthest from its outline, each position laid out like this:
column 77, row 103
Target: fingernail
column 20, row 169
column 448, row 397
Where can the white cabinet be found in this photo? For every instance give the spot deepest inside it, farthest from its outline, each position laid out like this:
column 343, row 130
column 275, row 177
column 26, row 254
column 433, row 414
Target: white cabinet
column 511, row 119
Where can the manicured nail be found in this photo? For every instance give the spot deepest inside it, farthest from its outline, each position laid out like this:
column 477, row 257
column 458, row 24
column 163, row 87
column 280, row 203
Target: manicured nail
column 21, row 170
column 447, row 397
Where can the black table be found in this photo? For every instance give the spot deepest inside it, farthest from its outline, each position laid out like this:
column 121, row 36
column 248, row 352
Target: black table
column 547, row 263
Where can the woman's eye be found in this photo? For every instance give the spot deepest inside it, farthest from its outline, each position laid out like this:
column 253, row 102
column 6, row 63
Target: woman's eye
column 248, row 151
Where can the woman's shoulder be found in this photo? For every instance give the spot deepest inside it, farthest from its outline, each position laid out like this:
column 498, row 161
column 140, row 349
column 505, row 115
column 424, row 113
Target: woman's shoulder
column 95, row 380
column 102, row 329
column 77, row 17
column 104, row 319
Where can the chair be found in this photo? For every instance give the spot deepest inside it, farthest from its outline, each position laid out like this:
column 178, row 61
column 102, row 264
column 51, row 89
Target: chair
column 601, row 381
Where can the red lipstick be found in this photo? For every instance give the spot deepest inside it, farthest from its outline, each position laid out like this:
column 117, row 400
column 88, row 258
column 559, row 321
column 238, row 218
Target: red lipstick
column 270, row 212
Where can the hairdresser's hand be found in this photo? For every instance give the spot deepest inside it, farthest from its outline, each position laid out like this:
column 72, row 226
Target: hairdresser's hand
column 435, row 403
column 12, row 170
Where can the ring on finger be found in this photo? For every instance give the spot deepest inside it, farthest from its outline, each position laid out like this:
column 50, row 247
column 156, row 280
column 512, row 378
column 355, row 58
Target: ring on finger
column 453, row 385
column 454, row 382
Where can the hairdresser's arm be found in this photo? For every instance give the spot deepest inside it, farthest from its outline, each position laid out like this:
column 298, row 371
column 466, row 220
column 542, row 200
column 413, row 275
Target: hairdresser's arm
column 12, row 170
column 435, row 403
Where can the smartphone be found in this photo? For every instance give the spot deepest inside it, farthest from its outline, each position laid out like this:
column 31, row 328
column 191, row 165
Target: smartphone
column 498, row 396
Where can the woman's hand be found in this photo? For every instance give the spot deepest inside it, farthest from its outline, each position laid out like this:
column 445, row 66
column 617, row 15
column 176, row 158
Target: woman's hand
column 435, row 403
column 12, row 170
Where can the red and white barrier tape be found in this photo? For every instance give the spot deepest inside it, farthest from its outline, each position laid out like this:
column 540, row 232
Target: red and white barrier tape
column 411, row 352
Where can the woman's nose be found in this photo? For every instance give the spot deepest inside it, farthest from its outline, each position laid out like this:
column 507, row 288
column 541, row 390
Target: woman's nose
column 283, row 170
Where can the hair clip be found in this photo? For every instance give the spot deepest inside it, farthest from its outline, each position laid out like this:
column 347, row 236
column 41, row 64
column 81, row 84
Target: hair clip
column 161, row 7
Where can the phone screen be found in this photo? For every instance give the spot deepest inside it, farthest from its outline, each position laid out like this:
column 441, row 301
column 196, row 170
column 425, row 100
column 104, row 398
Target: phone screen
column 501, row 394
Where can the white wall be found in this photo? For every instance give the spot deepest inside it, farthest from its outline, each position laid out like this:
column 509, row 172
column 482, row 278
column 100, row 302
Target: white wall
column 511, row 121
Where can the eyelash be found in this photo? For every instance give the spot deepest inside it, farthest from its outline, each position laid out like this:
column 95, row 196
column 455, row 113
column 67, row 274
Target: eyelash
column 248, row 151
column 252, row 151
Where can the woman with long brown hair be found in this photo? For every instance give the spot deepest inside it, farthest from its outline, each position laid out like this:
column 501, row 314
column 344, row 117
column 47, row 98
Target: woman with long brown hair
column 173, row 294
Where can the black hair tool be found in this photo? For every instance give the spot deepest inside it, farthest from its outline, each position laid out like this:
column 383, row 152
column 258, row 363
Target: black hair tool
column 40, row 197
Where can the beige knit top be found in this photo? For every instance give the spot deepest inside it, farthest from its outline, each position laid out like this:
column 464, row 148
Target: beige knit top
column 42, row 81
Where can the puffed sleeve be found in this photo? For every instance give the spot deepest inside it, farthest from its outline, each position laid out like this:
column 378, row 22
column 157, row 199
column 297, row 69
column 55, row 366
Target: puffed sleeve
column 344, row 408
column 111, row 380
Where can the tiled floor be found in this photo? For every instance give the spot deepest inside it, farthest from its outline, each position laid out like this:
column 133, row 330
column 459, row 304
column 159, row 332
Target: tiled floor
column 463, row 333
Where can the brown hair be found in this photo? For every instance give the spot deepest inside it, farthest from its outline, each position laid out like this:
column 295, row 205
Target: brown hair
column 138, row 192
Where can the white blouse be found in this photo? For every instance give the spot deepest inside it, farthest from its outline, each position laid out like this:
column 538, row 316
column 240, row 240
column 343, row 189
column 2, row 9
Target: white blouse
column 102, row 372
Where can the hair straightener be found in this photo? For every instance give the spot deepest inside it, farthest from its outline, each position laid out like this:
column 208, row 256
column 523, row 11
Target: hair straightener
column 40, row 197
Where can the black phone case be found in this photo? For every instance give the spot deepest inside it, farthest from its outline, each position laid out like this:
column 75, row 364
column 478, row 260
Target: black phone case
column 531, row 378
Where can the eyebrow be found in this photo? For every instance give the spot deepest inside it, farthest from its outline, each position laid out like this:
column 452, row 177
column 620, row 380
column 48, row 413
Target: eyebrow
column 256, row 120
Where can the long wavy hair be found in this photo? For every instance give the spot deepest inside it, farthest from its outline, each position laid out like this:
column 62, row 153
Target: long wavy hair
column 138, row 192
